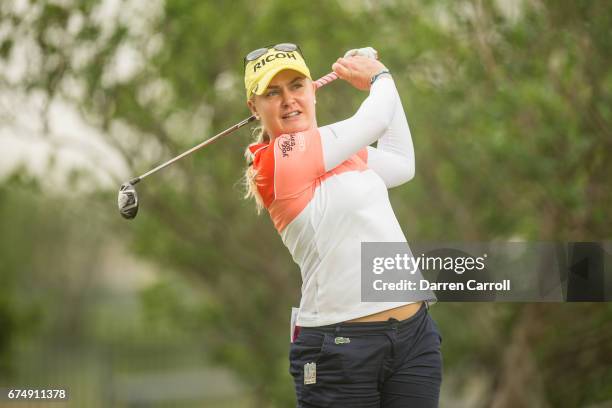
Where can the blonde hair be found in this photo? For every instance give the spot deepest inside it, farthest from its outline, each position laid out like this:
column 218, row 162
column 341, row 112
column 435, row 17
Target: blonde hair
column 260, row 136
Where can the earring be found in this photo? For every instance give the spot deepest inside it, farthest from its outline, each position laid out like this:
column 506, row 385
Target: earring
column 315, row 101
column 256, row 117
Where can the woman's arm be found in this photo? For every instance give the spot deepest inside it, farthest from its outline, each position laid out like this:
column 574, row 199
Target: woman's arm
column 393, row 157
column 343, row 139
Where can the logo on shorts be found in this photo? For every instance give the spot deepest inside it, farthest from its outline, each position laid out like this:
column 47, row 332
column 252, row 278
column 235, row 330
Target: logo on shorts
column 310, row 373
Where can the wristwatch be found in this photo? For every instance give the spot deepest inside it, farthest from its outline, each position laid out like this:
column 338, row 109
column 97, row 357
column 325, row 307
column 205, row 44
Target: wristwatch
column 375, row 77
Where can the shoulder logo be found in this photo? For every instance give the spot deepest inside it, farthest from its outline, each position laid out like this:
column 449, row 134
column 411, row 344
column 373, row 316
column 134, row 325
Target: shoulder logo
column 286, row 143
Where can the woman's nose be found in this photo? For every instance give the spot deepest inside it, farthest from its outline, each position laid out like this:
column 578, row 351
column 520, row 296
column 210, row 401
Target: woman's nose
column 287, row 97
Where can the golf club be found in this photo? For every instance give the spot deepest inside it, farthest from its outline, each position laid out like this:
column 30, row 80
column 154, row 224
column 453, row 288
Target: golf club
column 127, row 199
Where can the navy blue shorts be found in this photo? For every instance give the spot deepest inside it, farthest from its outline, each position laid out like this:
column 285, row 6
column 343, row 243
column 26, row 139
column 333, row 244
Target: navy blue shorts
column 388, row 364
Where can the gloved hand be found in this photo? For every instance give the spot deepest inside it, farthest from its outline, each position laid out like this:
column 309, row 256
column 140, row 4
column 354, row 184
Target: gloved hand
column 364, row 52
column 358, row 66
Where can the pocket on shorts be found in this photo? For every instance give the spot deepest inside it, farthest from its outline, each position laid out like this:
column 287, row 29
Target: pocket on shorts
column 362, row 356
column 305, row 348
column 313, row 348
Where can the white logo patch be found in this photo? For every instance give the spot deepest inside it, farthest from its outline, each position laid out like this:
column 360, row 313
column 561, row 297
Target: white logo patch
column 310, row 373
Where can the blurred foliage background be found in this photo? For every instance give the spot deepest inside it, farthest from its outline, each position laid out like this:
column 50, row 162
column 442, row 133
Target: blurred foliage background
column 509, row 103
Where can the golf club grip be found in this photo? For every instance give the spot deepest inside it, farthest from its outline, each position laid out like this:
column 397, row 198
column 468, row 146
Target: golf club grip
column 326, row 79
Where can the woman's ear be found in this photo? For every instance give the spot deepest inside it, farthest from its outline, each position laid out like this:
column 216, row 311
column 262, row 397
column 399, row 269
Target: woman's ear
column 252, row 107
column 314, row 90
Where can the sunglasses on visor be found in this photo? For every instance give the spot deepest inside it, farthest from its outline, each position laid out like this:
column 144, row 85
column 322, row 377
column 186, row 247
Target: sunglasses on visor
column 285, row 47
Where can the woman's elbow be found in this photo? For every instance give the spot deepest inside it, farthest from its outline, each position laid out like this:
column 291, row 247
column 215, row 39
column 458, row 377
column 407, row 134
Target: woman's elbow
column 408, row 171
column 403, row 173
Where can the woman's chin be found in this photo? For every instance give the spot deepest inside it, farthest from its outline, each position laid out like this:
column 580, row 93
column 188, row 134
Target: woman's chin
column 296, row 127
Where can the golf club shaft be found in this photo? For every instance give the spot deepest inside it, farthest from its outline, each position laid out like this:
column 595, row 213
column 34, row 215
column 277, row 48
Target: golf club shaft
column 324, row 80
column 195, row 148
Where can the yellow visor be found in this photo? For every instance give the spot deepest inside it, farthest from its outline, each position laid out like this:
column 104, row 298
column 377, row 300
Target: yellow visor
column 259, row 73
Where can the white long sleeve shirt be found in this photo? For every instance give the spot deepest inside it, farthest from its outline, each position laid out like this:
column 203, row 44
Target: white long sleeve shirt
column 326, row 192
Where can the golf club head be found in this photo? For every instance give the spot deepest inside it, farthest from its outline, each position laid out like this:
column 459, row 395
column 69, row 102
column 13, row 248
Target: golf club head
column 127, row 201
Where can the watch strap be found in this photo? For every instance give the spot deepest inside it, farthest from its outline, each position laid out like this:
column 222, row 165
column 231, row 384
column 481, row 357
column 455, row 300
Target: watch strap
column 375, row 77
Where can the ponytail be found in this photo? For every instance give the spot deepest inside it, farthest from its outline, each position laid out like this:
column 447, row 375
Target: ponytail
column 250, row 173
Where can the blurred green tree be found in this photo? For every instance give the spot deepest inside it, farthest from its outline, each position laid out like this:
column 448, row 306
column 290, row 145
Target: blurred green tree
column 509, row 105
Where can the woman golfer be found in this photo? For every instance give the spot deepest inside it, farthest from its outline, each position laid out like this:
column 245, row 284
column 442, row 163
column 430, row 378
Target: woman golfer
column 325, row 189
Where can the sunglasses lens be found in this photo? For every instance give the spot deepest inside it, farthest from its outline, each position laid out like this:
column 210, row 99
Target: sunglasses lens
column 253, row 55
column 286, row 47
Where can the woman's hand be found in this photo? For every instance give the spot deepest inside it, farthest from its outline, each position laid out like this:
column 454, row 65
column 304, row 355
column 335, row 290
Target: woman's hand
column 357, row 70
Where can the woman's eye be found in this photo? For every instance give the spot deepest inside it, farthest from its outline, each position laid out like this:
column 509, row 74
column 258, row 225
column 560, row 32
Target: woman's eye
column 272, row 93
column 297, row 85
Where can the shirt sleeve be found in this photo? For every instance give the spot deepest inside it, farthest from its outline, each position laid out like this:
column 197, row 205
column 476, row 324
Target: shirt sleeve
column 393, row 158
column 342, row 140
column 381, row 117
column 298, row 161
